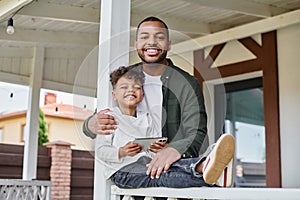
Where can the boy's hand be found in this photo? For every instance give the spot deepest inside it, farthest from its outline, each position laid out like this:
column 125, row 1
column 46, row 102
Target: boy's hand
column 158, row 145
column 130, row 149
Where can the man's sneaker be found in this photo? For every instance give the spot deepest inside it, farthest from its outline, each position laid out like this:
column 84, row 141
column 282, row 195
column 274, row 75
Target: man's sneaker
column 226, row 178
column 218, row 159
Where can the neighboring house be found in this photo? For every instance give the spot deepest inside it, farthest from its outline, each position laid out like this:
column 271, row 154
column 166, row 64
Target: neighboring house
column 64, row 123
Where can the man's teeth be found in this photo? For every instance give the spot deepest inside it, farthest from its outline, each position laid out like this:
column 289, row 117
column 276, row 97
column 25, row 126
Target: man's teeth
column 151, row 50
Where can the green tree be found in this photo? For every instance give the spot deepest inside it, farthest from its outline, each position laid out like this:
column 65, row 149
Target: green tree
column 43, row 130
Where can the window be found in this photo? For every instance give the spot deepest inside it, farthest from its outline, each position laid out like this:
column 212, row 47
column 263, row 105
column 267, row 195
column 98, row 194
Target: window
column 1, row 134
column 239, row 110
column 23, row 137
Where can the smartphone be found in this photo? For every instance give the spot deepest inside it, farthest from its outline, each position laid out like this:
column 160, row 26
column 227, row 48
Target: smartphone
column 163, row 139
column 146, row 142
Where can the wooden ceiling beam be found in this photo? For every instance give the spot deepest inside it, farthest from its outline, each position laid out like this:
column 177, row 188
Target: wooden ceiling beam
column 58, row 12
column 52, row 38
column 258, row 27
column 68, row 13
column 9, row 7
column 241, row 6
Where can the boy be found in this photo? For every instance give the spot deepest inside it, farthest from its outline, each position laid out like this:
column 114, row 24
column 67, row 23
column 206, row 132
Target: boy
column 118, row 150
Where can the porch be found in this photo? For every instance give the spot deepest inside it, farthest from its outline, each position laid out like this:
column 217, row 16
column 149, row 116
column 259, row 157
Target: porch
column 42, row 51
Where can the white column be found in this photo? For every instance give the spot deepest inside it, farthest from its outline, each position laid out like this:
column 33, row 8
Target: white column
column 32, row 117
column 114, row 38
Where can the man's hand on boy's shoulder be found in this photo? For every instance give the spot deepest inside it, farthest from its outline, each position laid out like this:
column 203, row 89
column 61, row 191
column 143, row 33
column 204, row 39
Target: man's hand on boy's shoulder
column 162, row 161
column 102, row 123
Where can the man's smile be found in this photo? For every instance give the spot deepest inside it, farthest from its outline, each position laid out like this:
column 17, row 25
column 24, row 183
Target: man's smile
column 152, row 51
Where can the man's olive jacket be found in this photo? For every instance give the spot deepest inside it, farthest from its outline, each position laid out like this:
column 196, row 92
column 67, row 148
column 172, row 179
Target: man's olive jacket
column 184, row 119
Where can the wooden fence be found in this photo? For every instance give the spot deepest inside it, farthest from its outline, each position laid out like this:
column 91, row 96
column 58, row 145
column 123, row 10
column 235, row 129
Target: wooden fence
column 11, row 162
column 82, row 175
column 82, row 172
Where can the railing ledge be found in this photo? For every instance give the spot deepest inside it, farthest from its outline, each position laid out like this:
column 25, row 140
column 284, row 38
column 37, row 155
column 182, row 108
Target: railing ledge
column 211, row 193
column 24, row 189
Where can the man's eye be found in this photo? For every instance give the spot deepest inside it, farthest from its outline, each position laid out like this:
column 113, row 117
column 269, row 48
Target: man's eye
column 123, row 87
column 144, row 37
column 161, row 37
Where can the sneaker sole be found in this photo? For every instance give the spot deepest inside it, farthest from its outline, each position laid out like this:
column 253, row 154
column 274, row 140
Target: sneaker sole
column 224, row 148
column 225, row 179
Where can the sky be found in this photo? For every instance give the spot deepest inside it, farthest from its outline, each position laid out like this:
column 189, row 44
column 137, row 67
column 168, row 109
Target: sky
column 15, row 98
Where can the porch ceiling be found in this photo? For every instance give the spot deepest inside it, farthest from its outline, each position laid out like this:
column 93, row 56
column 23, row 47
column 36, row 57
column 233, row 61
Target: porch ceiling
column 50, row 21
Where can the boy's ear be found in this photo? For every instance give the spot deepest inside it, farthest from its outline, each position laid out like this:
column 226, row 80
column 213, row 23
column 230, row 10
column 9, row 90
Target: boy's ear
column 113, row 95
column 142, row 94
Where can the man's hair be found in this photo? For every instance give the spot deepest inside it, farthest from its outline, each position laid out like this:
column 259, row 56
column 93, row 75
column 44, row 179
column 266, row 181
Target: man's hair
column 130, row 72
column 152, row 19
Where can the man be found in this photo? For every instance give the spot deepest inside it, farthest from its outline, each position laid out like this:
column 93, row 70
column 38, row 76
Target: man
column 172, row 96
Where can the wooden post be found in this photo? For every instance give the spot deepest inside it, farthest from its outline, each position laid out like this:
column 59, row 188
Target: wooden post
column 114, row 37
column 32, row 117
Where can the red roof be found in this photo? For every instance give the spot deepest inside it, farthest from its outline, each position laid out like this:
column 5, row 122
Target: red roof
column 66, row 111
column 57, row 110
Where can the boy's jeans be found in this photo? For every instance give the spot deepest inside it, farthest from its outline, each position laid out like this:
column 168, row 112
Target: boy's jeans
column 181, row 174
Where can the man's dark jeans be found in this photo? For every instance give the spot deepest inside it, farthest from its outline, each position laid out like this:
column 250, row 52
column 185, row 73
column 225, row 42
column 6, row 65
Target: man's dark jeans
column 181, row 174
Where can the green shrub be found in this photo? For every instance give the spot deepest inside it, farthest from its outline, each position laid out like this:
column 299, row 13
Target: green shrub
column 43, row 129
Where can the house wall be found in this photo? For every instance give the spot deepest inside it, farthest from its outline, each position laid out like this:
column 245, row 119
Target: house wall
column 12, row 129
column 63, row 129
column 288, row 42
column 68, row 130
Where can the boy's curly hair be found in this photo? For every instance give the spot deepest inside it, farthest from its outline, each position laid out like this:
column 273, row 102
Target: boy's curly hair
column 130, row 72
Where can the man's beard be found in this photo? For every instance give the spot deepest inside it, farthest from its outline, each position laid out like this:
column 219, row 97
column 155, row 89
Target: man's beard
column 160, row 59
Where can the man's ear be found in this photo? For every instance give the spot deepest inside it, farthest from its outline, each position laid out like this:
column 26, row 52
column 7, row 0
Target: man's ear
column 169, row 45
column 135, row 48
